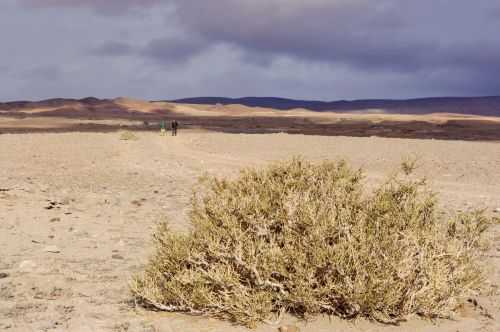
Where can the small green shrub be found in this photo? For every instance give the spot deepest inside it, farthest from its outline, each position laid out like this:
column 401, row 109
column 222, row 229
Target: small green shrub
column 127, row 135
column 304, row 238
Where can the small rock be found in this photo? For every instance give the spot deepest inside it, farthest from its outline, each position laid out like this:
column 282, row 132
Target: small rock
column 27, row 266
column 289, row 328
column 82, row 234
column 117, row 256
column 52, row 249
column 55, row 219
column 497, row 210
column 4, row 275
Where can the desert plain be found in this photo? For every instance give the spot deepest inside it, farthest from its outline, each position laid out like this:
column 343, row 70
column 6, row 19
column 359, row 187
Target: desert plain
column 78, row 204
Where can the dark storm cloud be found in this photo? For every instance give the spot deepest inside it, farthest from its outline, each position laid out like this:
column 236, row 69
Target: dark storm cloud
column 308, row 49
column 386, row 34
column 351, row 31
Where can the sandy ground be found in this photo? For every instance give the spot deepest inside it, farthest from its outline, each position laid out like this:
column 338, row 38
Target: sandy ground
column 77, row 211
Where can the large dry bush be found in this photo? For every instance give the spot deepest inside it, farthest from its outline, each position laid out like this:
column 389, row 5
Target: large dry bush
column 304, row 238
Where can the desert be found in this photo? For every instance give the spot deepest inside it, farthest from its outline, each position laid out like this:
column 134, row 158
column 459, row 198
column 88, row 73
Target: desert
column 249, row 165
column 79, row 208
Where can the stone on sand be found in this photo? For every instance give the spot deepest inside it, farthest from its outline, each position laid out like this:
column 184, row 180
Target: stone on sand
column 52, row 249
column 27, row 266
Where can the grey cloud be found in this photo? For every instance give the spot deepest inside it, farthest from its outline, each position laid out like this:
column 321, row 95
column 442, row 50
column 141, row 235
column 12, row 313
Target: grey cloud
column 383, row 35
column 113, row 48
column 46, row 72
column 175, row 49
column 165, row 51
column 307, row 49
column 102, row 6
column 400, row 35
column 346, row 31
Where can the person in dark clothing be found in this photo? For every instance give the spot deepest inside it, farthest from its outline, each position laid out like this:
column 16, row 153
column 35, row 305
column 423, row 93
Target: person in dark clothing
column 175, row 124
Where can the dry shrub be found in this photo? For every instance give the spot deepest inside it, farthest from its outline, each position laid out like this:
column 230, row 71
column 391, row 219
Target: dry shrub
column 409, row 165
column 304, row 238
column 127, row 135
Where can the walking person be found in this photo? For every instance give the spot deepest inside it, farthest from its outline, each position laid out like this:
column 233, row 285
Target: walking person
column 163, row 128
column 175, row 124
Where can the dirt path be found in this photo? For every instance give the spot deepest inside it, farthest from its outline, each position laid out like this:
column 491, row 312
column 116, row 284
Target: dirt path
column 77, row 211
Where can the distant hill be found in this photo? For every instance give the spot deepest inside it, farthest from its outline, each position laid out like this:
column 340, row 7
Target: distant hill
column 54, row 102
column 486, row 106
column 482, row 106
column 332, row 118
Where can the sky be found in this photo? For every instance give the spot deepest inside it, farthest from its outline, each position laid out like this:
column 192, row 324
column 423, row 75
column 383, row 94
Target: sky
column 314, row 49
